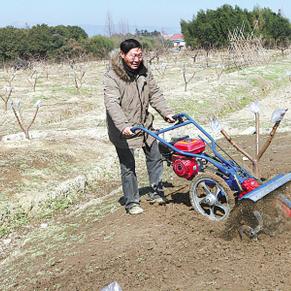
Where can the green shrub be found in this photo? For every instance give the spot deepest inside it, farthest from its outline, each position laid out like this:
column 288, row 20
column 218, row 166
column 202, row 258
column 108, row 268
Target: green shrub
column 99, row 46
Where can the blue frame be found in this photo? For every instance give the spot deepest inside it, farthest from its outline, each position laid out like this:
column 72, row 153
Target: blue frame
column 235, row 173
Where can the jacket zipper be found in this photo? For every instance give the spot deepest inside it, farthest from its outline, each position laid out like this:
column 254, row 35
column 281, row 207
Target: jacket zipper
column 141, row 104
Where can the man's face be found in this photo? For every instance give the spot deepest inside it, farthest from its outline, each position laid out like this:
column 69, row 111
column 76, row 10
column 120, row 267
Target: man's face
column 133, row 58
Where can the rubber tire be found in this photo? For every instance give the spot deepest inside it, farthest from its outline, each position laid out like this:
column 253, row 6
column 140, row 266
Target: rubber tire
column 218, row 180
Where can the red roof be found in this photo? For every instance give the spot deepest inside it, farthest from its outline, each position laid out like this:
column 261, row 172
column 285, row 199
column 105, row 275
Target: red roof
column 177, row 36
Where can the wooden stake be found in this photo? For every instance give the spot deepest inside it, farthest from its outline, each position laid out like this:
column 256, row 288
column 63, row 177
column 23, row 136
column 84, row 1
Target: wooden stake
column 247, row 155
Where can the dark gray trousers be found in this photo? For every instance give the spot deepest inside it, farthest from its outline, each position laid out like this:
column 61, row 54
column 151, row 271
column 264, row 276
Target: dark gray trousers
column 128, row 174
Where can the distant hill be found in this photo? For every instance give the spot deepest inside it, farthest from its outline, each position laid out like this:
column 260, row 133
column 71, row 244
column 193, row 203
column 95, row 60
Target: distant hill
column 92, row 29
column 101, row 29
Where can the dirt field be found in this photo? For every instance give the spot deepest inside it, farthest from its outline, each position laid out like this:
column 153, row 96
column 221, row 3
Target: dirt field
column 166, row 248
column 69, row 230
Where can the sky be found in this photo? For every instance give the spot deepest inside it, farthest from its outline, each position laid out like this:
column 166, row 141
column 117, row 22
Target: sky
column 142, row 14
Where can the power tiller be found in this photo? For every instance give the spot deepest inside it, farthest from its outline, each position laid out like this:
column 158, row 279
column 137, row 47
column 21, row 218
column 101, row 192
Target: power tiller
column 217, row 183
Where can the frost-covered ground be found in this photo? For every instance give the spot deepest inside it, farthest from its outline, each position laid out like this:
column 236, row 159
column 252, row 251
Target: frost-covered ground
column 69, row 140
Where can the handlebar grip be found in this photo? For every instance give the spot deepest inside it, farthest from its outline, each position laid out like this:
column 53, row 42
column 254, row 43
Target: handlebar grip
column 178, row 117
column 133, row 129
column 137, row 127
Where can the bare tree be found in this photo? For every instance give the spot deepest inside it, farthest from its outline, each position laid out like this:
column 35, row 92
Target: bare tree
column 16, row 108
column 282, row 45
column 159, row 51
column 10, row 74
column 33, row 78
column 6, row 96
column 207, row 51
column 160, row 69
column 219, row 69
column 44, row 67
column 109, row 25
column 123, row 27
column 186, row 81
column 79, row 73
column 193, row 54
column 153, row 55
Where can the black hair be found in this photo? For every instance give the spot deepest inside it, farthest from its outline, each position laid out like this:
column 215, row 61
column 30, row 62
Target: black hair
column 129, row 44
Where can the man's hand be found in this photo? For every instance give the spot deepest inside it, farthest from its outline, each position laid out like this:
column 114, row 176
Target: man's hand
column 169, row 118
column 127, row 131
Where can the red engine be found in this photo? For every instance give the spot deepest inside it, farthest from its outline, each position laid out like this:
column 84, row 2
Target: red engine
column 183, row 166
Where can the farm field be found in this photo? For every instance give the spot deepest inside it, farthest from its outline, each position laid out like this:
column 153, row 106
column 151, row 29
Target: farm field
column 63, row 227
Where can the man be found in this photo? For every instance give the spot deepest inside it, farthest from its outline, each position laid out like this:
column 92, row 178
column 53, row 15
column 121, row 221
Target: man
column 129, row 89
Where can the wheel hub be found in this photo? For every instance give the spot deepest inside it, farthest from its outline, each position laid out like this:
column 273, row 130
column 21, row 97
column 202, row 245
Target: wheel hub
column 210, row 199
column 211, row 196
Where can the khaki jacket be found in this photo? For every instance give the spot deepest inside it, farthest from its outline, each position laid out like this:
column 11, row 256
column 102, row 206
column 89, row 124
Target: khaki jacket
column 127, row 102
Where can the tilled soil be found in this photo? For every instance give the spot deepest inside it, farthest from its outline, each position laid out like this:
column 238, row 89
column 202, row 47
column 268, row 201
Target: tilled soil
column 265, row 216
column 166, row 248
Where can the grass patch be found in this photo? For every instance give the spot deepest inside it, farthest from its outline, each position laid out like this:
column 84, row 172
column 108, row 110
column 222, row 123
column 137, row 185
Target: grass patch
column 12, row 220
column 188, row 105
column 52, row 206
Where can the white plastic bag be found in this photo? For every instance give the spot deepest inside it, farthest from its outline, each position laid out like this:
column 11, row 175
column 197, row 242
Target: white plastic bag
column 254, row 107
column 278, row 115
column 215, row 124
column 112, row 287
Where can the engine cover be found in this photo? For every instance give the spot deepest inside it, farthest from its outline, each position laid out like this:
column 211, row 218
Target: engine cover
column 191, row 145
column 185, row 167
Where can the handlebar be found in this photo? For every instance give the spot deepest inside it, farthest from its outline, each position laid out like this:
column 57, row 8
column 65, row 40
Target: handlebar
column 183, row 119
